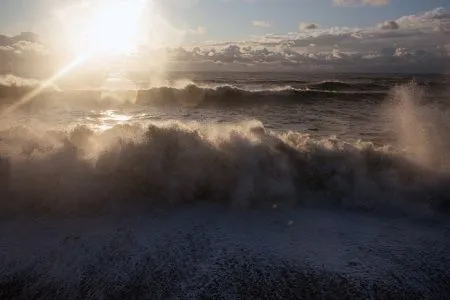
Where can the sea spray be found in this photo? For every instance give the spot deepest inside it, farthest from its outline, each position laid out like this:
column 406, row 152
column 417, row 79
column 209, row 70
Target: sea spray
column 240, row 164
column 421, row 127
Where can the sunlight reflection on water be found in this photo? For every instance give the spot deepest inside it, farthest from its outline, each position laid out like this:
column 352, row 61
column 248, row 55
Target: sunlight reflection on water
column 111, row 118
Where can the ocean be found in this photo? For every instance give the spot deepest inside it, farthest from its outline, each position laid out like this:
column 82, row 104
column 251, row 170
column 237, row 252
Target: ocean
column 226, row 185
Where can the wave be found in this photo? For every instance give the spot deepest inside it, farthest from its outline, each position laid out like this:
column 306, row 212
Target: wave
column 328, row 85
column 215, row 92
column 13, row 88
column 231, row 95
column 241, row 165
column 189, row 95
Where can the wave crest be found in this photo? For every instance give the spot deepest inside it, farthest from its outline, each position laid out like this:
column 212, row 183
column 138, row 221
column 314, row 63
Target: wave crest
column 232, row 95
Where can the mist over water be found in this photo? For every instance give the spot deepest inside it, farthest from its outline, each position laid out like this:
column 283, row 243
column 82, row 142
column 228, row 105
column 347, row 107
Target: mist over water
column 422, row 127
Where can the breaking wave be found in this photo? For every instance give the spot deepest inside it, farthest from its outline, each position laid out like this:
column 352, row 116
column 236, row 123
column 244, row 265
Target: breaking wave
column 242, row 165
column 190, row 95
column 239, row 164
column 232, row 95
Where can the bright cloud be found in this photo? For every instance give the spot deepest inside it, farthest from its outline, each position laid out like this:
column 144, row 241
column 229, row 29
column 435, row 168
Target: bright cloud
column 24, row 55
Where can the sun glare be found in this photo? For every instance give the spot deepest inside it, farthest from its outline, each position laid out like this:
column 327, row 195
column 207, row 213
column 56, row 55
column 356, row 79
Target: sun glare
column 113, row 27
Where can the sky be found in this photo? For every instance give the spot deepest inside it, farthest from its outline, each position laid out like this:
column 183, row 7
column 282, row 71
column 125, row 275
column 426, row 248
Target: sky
column 303, row 35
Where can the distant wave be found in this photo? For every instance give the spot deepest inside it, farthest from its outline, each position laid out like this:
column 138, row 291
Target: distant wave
column 190, row 95
column 197, row 95
column 242, row 165
column 254, row 81
column 12, row 88
column 328, row 85
column 227, row 95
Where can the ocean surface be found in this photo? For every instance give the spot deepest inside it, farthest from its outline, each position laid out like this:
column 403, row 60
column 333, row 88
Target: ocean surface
column 318, row 186
column 348, row 106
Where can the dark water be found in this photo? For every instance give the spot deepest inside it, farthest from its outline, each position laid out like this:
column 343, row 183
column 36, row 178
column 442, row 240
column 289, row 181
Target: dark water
column 346, row 105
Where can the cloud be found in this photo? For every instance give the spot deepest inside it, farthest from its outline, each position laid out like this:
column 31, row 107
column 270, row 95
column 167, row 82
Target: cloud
column 389, row 25
column 259, row 23
column 361, row 2
column 235, row 57
column 307, row 26
column 24, row 36
column 24, row 55
column 437, row 19
column 410, row 43
column 414, row 43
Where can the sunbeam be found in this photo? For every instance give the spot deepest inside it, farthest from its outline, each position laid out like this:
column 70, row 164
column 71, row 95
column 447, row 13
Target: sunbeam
column 36, row 92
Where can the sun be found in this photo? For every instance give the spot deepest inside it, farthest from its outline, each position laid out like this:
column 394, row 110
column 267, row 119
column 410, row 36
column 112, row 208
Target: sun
column 112, row 27
column 115, row 28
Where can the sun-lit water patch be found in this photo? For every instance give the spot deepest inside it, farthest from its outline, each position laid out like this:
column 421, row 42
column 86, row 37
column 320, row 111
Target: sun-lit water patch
column 110, row 118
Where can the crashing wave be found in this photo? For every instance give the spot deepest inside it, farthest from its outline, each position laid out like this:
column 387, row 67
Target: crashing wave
column 242, row 165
